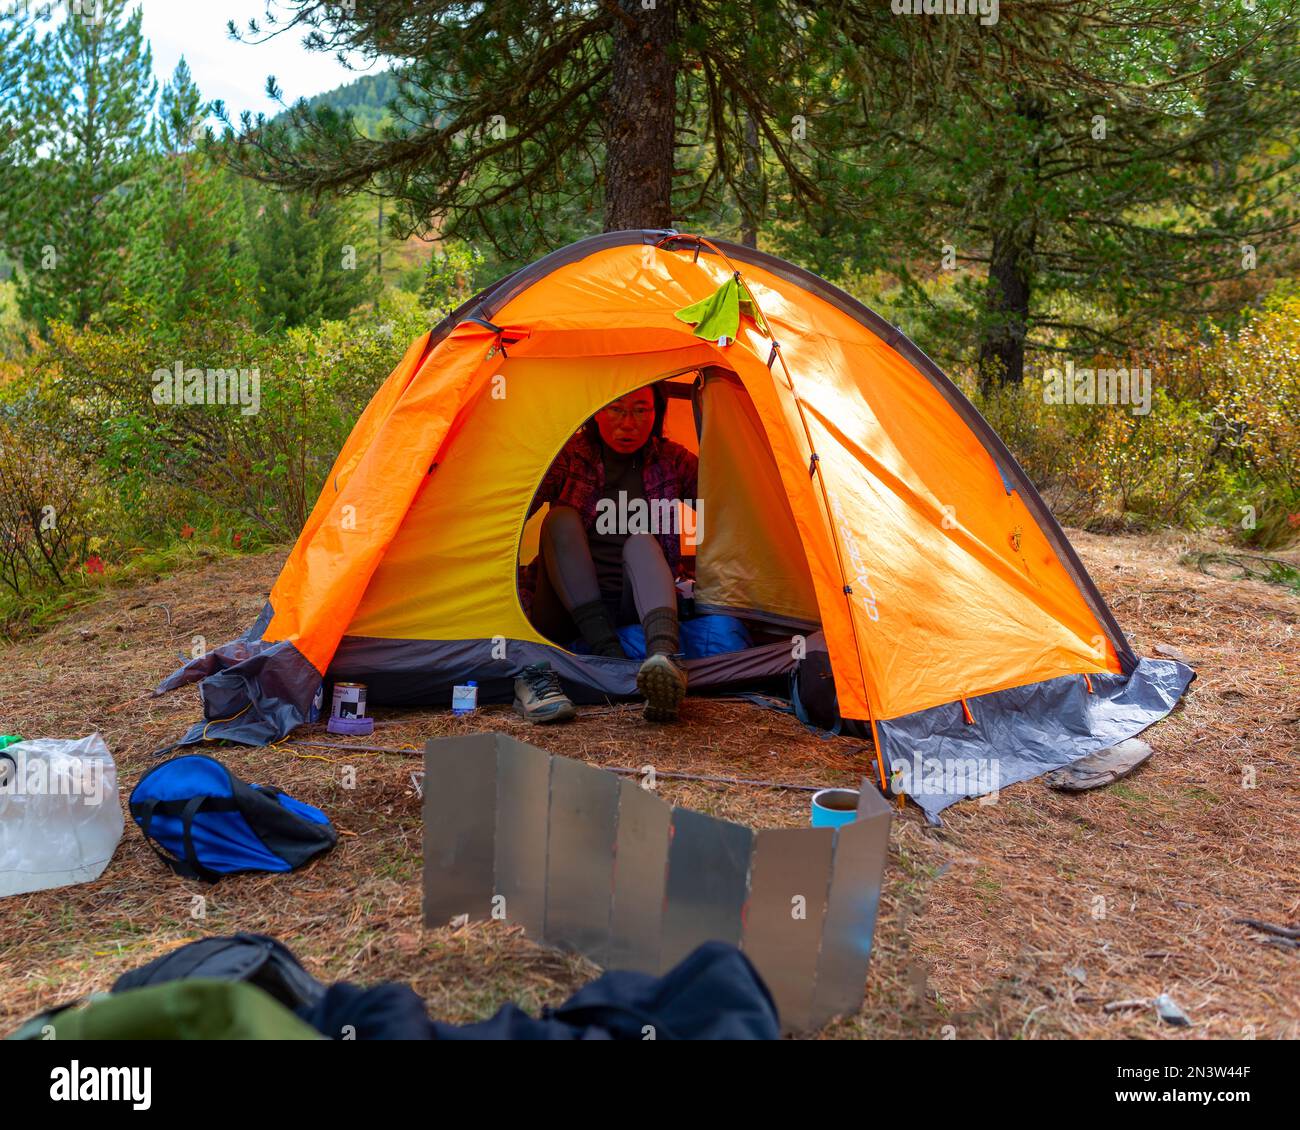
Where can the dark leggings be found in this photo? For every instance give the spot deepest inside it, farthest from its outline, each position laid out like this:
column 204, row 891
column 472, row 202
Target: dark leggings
column 566, row 577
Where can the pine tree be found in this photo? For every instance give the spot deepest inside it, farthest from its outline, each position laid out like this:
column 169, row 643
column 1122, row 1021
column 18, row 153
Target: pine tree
column 522, row 121
column 310, row 256
column 15, row 52
column 91, row 95
column 187, row 255
column 1098, row 213
column 1093, row 199
column 16, row 36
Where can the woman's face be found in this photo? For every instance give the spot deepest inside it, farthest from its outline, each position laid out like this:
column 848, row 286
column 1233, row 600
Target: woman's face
column 626, row 424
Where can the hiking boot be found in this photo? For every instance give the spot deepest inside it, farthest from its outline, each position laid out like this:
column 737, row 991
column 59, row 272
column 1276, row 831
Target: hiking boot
column 663, row 682
column 539, row 697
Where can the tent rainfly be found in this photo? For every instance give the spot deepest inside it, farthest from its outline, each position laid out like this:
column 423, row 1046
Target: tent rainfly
column 851, row 499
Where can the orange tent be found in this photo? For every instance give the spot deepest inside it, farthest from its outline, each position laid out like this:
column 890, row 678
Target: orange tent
column 851, row 498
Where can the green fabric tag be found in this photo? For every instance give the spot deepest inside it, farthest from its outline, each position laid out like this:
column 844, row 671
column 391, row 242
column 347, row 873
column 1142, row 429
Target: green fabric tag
column 719, row 315
column 716, row 316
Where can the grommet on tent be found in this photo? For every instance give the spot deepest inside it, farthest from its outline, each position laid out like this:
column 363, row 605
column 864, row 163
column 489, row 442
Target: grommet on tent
column 771, row 357
column 812, row 464
column 965, row 713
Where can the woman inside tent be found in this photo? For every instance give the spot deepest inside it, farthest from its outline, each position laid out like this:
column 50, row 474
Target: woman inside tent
column 596, row 571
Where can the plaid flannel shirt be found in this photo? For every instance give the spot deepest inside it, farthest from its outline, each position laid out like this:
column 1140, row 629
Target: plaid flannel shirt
column 577, row 479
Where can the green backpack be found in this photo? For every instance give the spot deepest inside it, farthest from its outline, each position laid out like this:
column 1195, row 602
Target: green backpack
column 197, row 1009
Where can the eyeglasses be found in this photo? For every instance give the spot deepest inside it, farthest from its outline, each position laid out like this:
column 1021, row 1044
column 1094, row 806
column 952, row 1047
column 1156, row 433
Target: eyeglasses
column 641, row 413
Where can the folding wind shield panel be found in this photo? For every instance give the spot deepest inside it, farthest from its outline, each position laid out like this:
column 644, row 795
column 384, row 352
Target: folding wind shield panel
column 708, row 881
column 640, row 872
column 852, row 905
column 580, row 856
column 587, row 861
column 787, row 906
column 522, row 828
column 460, row 830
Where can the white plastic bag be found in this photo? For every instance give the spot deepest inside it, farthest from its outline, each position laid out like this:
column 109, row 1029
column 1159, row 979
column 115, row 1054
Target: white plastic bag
column 60, row 816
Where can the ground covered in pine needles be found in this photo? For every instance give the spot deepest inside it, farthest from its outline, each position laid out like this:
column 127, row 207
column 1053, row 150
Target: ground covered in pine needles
column 1025, row 918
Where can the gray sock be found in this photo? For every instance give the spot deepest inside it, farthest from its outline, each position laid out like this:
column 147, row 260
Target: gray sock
column 662, row 632
column 597, row 629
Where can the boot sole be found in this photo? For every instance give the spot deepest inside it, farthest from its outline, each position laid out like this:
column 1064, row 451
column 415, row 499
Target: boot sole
column 562, row 713
column 663, row 692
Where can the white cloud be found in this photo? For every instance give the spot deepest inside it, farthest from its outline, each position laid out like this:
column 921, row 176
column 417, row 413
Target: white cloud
column 233, row 71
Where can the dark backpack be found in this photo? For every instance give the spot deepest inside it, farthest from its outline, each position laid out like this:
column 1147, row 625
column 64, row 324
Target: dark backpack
column 204, row 822
column 714, row 993
column 254, row 958
column 260, row 961
column 813, row 697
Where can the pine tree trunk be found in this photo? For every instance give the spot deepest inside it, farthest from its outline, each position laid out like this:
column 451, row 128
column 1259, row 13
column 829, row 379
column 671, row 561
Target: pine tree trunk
column 1002, row 347
column 1011, row 265
column 642, row 105
column 749, row 211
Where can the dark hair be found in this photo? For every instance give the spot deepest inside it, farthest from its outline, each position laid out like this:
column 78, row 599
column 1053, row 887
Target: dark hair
column 661, row 411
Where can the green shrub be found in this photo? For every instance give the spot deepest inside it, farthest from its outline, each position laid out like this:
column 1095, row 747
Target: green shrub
column 44, row 503
column 257, row 462
column 1221, row 443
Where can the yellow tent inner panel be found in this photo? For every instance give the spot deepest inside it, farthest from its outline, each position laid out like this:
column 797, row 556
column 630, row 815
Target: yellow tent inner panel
column 450, row 572
column 750, row 560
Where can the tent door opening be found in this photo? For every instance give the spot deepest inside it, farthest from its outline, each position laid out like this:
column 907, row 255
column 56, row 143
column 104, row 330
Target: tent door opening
column 741, row 556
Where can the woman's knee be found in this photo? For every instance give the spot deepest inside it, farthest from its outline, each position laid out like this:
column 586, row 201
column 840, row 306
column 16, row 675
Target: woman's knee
column 641, row 547
column 562, row 522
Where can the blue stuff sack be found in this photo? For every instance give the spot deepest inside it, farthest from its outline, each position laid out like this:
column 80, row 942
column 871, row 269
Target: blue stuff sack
column 702, row 636
column 204, row 822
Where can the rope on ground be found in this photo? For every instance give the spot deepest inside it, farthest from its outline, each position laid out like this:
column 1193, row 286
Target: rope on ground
column 665, row 773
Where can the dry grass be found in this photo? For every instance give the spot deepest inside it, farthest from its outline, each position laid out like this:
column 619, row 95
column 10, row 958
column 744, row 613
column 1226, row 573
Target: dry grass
column 980, row 919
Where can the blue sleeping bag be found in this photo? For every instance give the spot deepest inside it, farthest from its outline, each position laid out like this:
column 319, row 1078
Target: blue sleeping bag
column 701, row 636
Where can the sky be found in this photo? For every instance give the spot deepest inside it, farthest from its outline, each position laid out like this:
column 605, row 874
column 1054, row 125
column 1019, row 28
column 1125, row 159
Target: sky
column 232, row 71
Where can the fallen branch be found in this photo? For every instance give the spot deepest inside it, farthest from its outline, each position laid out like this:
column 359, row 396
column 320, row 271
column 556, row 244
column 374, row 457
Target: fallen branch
column 1250, row 566
column 1290, row 932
